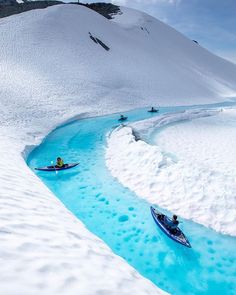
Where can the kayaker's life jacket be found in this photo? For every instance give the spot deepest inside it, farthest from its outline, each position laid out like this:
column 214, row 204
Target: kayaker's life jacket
column 173, row 224
column 60, row 163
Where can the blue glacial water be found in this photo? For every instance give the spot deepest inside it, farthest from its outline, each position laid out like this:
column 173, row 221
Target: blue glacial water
column 124, row 222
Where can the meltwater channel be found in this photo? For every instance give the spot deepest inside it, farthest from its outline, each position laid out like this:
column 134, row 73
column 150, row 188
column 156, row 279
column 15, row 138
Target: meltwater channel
column 123, row 220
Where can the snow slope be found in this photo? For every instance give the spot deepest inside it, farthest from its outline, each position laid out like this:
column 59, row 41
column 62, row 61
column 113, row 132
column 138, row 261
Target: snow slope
column 190, row 170
column 47, row 55
column 51, row 70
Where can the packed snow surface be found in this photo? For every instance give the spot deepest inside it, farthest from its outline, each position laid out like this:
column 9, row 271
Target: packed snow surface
column 51, row 70
column 190, row 169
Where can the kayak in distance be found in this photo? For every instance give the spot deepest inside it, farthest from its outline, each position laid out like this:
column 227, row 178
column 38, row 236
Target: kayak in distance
column 122, row 118
column 153, row 110
column 178, row 236
column 56, row 168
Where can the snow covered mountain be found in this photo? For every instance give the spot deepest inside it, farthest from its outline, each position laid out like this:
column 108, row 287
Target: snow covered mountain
column 50, row 54
column 64, row 61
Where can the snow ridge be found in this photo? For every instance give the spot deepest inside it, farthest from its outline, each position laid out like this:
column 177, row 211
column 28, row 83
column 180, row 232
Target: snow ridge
column 189, row 171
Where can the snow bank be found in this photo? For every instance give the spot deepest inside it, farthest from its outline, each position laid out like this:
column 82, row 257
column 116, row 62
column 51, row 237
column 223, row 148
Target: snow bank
column 190, row 170
column 44, row 249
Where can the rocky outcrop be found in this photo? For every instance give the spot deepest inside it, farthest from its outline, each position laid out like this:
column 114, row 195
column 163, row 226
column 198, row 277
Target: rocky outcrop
column 98, row 41
column 105, row 9
column 9, row 7
column 8, row 2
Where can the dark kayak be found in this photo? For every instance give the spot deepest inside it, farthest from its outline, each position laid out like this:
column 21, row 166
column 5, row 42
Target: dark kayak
column 54, row 168
column 153, row 111
column 178, row 236
column 123, row 119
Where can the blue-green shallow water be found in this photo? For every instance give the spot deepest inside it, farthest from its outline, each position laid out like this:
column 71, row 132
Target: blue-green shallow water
column 124, row 222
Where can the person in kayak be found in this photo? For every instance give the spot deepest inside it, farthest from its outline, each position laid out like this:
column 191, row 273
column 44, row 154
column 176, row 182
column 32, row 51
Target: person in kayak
column 60, row 163
column 172, row 224
column 153, row 110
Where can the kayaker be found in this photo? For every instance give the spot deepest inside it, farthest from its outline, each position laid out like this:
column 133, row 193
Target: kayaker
column 60, row 163
column 173, row 224
column 153, row 110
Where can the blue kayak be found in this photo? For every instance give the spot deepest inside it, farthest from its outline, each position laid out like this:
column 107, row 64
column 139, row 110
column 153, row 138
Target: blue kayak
column 55, row 168
column 178, row 236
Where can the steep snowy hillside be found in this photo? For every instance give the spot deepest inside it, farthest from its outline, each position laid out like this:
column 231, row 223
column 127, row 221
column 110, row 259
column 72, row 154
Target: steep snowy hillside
column 51, row 70
column 48, row 55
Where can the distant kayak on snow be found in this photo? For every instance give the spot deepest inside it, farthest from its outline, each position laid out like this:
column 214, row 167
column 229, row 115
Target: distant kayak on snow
column 55, row 168
column 177, row 235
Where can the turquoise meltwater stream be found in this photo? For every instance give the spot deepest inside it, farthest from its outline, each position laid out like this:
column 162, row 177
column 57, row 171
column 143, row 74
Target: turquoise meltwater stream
column 123, row 220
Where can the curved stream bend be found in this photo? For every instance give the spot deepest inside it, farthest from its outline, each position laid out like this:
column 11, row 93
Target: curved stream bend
column 124, row 222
